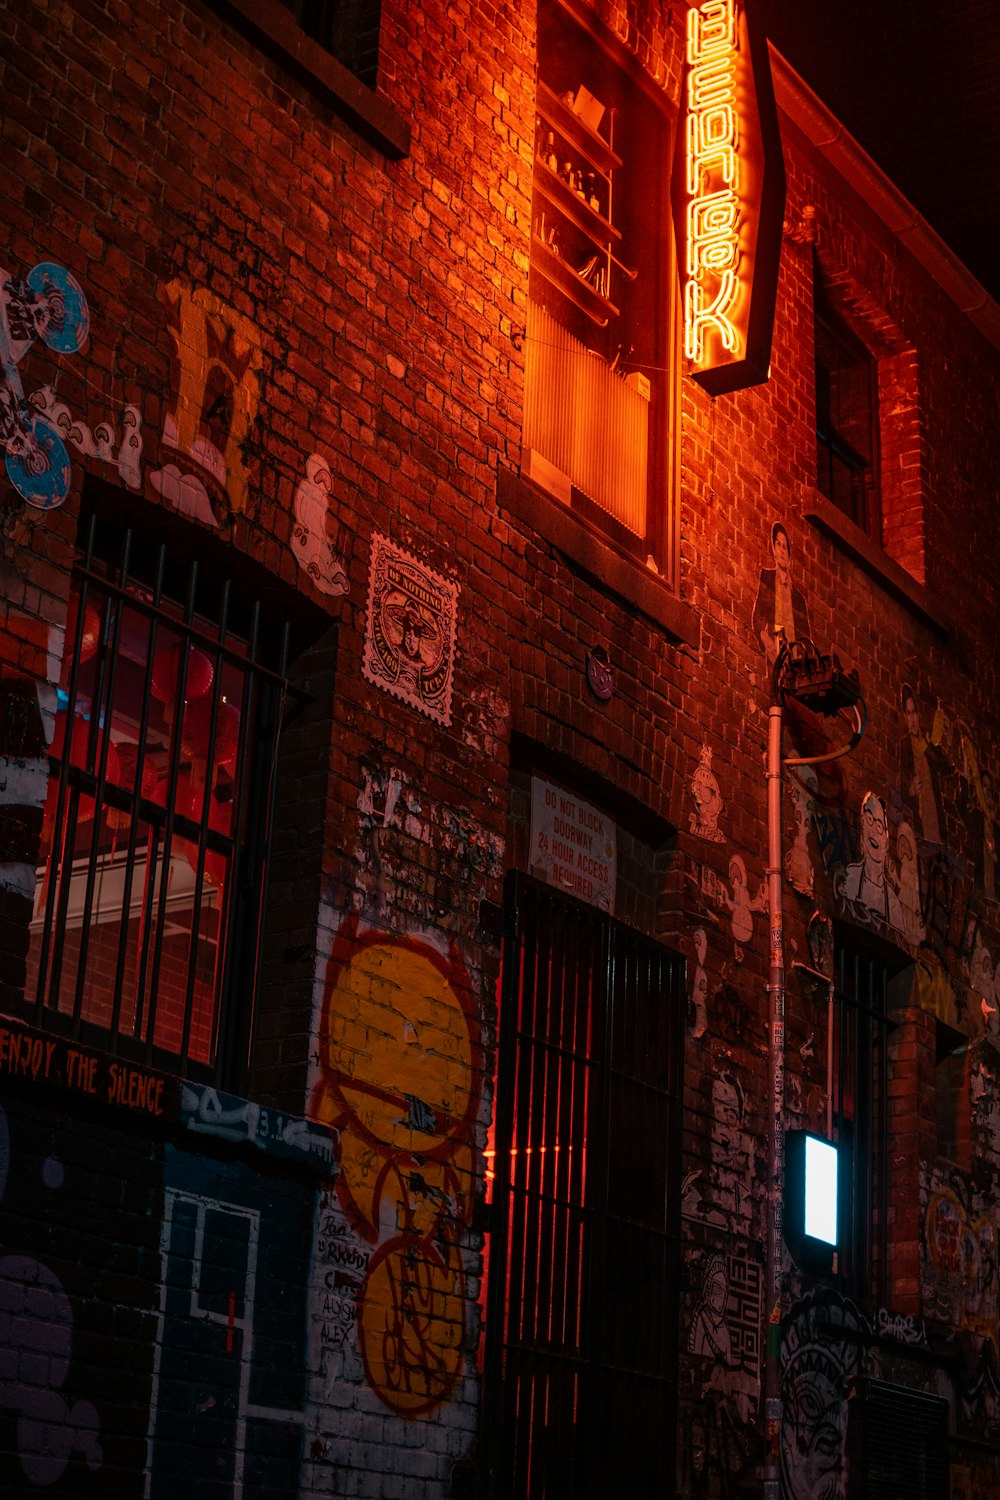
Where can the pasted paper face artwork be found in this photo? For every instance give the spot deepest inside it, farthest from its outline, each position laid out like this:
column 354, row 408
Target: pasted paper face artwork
column 410, row 630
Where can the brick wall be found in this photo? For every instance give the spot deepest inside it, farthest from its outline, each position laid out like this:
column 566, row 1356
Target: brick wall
column 306, row 348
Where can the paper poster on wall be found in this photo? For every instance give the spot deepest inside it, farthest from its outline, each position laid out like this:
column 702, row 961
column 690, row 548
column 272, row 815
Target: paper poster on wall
column 573, row 846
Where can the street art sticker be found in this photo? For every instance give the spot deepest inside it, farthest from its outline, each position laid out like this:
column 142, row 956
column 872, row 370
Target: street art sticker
column 708, row 805
column 48, row 304
column 397, row 1078
column 780, row 615
column 820, row 1356
column 36, row 1356
column 699, row 986
column 410, row 630
column 310, row 542
column 219, row 358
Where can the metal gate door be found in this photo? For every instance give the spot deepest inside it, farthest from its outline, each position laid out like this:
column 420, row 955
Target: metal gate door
column 580, row 1378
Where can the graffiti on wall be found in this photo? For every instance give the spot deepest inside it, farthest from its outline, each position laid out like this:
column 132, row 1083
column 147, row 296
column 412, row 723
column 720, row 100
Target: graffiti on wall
column 310, row 542
column 228, row 1396
column 47, row 305
column 219, row 360
column 398, row 1073
column 723, row 1196
column 723, row 1341
column 37, row 1374
column 959, row 1267
column 105, row 443
column 820, row 1356
column 708, row 805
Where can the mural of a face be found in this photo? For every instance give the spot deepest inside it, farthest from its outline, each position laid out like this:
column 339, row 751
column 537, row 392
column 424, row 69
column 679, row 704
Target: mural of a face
column 874, row 830
column 782, row 552
column 816, row 1369
column 911, row 715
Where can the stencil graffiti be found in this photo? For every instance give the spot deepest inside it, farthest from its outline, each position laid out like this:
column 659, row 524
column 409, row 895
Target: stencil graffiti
column 798, row 865
column 48, row 304
column 36, row 1353
column 397, row 1080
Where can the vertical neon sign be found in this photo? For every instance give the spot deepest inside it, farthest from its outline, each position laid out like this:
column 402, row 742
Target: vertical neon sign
column 728, row 199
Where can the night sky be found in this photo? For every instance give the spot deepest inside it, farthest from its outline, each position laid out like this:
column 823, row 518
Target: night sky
column 918, row 85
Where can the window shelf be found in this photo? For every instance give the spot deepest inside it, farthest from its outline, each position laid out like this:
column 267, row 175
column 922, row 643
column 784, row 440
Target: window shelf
column 563, row 277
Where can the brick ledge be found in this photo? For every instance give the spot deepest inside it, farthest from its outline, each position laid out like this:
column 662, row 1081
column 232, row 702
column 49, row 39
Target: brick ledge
column 269, row 22
column 610, row 570
column 876, row 562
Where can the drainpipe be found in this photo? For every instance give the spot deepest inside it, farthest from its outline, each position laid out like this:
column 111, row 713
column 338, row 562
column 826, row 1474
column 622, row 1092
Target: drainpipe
column 820, row 684
column 776, row 1095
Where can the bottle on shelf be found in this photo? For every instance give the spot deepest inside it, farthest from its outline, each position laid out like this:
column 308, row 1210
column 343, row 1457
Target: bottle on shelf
column 551, row 159
column 593, row 199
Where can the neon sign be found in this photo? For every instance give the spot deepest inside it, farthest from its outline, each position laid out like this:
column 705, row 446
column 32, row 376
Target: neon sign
column 728, row 199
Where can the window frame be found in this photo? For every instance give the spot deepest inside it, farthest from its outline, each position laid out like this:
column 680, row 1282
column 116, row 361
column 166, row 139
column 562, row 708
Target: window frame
column 128, row 588
column 657, row 547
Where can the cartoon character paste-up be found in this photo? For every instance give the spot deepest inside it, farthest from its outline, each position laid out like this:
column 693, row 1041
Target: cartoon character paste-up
column 908, row 868
column 699, row 985
column 866, row 884
column 779, row 613
column 741, row 904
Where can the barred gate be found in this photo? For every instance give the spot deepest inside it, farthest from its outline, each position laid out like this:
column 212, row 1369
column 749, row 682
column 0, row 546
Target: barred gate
column 581, row 1335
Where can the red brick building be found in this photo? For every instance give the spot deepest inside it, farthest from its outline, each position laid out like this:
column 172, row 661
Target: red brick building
column 407, row 1053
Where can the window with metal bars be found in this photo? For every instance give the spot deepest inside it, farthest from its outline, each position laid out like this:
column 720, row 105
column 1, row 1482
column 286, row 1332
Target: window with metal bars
column 349, row 29
column 860, row 1119
column 148, row 914
column 581, row 1334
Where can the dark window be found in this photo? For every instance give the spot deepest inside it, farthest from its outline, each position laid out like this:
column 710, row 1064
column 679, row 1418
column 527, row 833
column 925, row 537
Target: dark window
column 846, row 418
column 149, row 901
column 581, row 1333
column 860, row 1050
column 600, row 377
column 348, row 29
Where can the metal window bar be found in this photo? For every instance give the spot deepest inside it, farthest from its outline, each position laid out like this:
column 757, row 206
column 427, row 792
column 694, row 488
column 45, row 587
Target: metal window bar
column 581, row 1315
column 861, row 1112
column 126, row 1017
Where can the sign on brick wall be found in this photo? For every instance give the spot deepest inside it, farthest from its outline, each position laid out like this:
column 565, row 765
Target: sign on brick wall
column 573, row 845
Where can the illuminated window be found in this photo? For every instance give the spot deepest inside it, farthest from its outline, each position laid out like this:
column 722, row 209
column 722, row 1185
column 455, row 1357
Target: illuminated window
column 599, row 387
column 148, row 911
column 846, row 419
column 349, row 29
column 583, row 1165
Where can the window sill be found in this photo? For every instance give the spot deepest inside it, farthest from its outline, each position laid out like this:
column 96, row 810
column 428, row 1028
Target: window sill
column 612, row 571
column 270, row 25
column 876, row 562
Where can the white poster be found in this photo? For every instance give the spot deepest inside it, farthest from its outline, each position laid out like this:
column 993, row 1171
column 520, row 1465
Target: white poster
column 573, row 846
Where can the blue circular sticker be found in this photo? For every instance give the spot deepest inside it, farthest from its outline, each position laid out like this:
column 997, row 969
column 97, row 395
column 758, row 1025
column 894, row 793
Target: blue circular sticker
column 65, row 320
column 39, row 468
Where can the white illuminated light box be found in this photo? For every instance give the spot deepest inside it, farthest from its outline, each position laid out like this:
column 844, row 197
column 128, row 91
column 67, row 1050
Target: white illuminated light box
column 820, row 1165
column 815, row 1180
